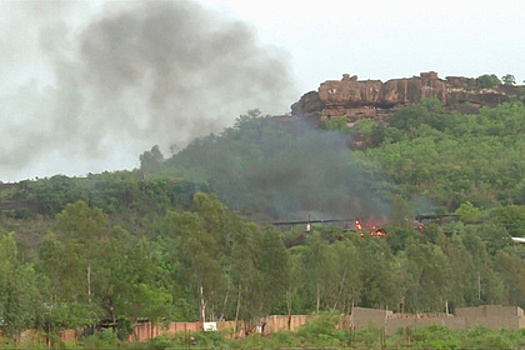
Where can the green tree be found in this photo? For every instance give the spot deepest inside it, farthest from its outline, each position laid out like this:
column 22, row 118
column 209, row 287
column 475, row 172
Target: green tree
column 426, row 266
column 60, row 263
column 488, row 80
column 383, row 278
column 463, row 285
column 510, row 218
column 401, row 216
column 469, row 212
column 84, row 225
column 346, row 288
column 151, row 162
column 489, row 286
column 195, row 255
column 511, row 268
column 508, row 79
column 320, row 267
column 274, row 265
column 56, row 192
column 335, row 123
column 293, row 283
column 20, row 298
column 245, row 276
column 137, row 281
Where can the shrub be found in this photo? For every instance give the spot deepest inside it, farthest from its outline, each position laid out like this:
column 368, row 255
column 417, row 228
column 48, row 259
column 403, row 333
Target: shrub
column 105, row 339
column 209, row 339
column 322, row 331
column 161, row 342
column 335, row 123
column 436, row 337
column 485, row 338
column 285, row 339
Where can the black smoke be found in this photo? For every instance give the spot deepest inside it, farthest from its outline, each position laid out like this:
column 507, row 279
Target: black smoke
column 284, row 168
column 101, row 89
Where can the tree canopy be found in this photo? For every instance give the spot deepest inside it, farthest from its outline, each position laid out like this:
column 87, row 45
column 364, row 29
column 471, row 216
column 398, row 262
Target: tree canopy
column 193, row 237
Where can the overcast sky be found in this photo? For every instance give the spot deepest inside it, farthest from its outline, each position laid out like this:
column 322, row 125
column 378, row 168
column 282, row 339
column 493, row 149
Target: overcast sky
column 88, row 86
column 390, row 38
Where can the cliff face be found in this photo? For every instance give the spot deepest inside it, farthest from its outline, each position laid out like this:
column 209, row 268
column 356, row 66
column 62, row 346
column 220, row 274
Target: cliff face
column 360, row 98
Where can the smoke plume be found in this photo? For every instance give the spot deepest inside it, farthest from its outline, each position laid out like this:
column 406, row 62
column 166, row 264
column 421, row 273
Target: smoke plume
column 286, row 168
column 89, row 88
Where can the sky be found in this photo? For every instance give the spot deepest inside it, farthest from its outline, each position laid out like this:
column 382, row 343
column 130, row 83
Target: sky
column 87, row 86
column 390, row 38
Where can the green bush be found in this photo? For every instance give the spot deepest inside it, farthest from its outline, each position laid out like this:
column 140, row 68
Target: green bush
column 105, row 339
column 322, row 331
column 285, row 339
column 369, row 336
column 484, row 338
column 335, row 123
column 209, row 339
column 162, row 342
column 435, row 337
column 22, row 214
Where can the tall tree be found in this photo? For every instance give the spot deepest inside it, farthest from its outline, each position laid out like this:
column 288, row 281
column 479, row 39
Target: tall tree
column 426, row 266
column 346, row 290
column 20, row 298
column 195, row 253
column 511, row 268
column 61, row 265
column 274, row 264
column 246, row 278
column 85, row 225
column 383, row 280
column 320, row 267
column 490, row 289
column 151, row 162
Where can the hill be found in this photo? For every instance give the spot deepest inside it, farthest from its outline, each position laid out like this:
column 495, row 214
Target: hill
column 372, row 98
column 192, row 230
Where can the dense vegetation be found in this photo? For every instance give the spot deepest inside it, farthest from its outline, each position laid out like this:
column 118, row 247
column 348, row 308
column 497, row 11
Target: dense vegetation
column 144, row 243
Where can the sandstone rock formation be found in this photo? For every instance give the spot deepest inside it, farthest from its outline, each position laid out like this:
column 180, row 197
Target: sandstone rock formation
column 368, row 98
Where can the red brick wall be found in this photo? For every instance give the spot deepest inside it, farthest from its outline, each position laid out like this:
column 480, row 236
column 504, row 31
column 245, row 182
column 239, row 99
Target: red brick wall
column 147, row 330
column 67, row 336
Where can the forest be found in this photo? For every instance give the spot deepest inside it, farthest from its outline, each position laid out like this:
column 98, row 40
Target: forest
column 196, row 228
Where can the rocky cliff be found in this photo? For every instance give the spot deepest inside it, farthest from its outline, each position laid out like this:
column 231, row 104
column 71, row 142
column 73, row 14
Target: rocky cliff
column 368, row 98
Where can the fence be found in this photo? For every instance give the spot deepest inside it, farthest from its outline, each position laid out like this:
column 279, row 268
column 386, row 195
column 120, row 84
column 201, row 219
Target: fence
column 497, row 317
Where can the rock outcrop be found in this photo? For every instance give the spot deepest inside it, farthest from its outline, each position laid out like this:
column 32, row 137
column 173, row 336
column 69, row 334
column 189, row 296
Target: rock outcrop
column 367, row 98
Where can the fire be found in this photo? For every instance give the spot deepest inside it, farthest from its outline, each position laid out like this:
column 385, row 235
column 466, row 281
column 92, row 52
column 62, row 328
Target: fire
column 373, row 230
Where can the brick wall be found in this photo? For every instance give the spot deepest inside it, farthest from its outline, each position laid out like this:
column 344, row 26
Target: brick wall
column 67, row 336
column 364, row 317
column 496, row 317
column 491, row 316
column 147, row 330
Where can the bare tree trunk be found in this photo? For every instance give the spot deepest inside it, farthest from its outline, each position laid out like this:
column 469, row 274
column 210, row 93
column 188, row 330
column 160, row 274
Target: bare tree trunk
column 289, row 308
column 88, row 272
column 112, row 310
column 341, row 288
column 237, row 311
column 202, row 306
column 228, row 288
column 318, row 297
